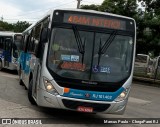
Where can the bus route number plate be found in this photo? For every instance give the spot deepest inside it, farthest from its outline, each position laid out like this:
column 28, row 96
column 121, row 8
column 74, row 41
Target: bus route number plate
column 84, row 109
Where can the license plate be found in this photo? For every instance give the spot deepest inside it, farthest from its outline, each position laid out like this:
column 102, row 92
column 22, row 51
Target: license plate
column 85, row 109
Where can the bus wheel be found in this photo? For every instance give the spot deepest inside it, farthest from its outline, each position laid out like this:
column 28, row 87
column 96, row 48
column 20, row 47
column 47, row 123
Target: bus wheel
column 20, row 78
column 32, row 101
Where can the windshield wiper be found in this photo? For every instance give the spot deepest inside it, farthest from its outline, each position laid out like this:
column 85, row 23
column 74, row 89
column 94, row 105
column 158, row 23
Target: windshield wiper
column 106, row 45
column 81, row 47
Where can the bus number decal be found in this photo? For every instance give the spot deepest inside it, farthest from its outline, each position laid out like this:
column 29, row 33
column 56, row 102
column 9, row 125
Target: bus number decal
column 104, row 69
column 73, row 58
column 66, row 57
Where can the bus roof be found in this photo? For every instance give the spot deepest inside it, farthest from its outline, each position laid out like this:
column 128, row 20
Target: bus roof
column 8, row 33
column 50, row 12
column 89, row 11
column 29, row 27
column 142, row 54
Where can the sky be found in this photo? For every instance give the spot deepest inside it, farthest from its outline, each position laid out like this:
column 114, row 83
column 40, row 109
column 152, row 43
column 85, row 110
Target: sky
column 31, row 10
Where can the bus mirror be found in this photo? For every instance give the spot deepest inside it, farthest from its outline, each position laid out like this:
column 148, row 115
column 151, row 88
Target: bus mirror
column 44, row 35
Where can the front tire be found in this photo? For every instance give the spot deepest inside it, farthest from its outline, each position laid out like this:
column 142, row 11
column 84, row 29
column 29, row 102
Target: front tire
column 30, row 97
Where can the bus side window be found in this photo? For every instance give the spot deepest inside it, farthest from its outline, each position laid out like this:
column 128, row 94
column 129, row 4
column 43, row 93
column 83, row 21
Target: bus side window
column 26, row 43
column 29, row 46
column 38, row 44
column 22, row 43
column 1, row 43
column 36, row 38
column 46, row 22
column 32, row 40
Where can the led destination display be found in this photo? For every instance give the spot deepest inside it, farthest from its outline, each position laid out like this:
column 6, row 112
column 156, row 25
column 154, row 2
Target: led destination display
column 94, row 21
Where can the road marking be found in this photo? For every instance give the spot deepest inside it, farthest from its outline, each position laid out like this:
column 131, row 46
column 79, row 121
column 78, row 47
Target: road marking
column 139, row 101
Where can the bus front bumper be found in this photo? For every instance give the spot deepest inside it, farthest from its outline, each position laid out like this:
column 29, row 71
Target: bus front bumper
column 46, row 99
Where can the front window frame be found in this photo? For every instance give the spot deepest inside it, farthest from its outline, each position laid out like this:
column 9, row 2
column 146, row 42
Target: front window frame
column 91, row 29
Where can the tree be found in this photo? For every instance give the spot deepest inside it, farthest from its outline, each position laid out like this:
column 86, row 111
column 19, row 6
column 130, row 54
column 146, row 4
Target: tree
column 147, row 18
column 16, row 27
column 151, row 20
column 121, row 7
column 90, row 7
column 4, row 26
column 20, row 26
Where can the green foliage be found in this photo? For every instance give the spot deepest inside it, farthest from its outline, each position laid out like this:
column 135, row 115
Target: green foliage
column 122, row 7
column 20, row 26
column 4, row 26
column 151, row 20
column 90, row 7
column 16, row 27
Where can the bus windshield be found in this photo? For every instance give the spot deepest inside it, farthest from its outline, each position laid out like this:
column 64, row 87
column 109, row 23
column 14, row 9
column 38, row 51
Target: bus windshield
column 93, row 58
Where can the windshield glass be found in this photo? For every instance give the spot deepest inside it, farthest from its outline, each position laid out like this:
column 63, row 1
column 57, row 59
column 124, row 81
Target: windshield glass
column 66, row 60
column 64, row 56
column 115, row 63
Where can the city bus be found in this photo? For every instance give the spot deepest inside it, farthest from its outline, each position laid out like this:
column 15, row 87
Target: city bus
column 10, row 43
column 79, row 60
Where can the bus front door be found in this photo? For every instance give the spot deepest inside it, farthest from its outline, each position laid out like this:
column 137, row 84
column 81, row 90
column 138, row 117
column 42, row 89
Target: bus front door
column 7, row 52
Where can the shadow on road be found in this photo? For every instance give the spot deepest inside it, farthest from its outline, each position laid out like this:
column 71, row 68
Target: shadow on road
column 14, row 72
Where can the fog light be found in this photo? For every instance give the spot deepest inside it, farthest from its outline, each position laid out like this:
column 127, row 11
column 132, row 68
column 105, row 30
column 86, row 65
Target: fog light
column 49, row 87
column 123, row 94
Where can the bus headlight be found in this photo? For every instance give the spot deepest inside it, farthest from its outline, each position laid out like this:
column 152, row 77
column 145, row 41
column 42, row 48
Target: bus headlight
column 49, row 87
column 123, row 95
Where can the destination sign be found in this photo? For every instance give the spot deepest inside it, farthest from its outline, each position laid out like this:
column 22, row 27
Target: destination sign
column 96, row 21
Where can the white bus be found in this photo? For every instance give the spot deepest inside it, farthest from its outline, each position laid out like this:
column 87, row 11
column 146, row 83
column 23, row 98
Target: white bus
column 9, row 46
column 79, row 60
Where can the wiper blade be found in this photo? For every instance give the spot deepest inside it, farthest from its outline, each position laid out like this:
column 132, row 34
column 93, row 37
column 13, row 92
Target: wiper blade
column 106, row 45
column 99, row 52
column 81, row 47
column 108, row 42
column 83, row 50
column 78, row 39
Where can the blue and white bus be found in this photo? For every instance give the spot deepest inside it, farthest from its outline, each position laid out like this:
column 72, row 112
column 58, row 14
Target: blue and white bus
column 79, row 60
column 9, row 48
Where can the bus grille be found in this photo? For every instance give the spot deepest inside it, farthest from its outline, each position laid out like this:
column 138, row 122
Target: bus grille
column 74, row 105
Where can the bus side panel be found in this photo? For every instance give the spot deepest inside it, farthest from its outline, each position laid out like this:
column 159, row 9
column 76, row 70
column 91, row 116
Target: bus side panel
column 25, row 67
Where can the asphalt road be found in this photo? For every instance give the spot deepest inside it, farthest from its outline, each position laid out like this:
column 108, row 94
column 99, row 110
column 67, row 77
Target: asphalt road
column 144, row 102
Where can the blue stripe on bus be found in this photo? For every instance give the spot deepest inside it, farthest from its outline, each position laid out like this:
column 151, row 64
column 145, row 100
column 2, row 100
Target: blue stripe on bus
column 24, row 62
column 6, row 54
column 93, row 95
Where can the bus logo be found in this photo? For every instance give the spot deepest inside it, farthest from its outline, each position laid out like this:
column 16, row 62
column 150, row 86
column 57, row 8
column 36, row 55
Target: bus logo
column 87, row 95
